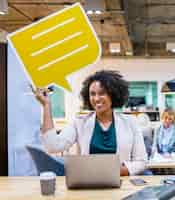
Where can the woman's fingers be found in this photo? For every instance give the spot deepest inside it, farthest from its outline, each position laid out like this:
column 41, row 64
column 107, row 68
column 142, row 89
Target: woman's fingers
column 41, row 91
column 41, row 95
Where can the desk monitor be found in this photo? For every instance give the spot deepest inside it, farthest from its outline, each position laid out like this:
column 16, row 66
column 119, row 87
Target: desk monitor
column 136, row 101
column 92, row 171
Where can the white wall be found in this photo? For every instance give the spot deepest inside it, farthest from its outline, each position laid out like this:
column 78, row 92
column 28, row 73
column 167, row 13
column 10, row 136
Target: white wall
column 132, row 69
column 144, row 69
column 159, row 70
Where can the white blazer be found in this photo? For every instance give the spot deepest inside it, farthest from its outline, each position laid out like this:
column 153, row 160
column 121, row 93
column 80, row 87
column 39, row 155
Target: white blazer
column 130, row 143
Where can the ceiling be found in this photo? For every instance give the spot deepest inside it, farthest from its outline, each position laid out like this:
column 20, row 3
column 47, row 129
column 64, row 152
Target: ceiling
column 141, row 27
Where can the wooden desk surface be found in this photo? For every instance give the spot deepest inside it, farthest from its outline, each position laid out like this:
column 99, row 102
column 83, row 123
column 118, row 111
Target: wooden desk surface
column 154, row 165
column 28, row 188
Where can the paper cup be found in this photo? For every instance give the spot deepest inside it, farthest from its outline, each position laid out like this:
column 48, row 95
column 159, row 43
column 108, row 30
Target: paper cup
column 48, row 183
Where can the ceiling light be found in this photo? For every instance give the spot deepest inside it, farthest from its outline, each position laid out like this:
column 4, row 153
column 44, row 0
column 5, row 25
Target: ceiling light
column 89, row 12
column 115, row 50
column 98, row 12
column 3, row 36
column 96, row 5
column 129, row 53
column 2, row 13
column 173, row 50
column 3, row 7
column 170, row 46
column 114, row 47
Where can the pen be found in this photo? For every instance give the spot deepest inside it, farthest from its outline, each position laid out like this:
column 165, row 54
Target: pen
column 48, row 90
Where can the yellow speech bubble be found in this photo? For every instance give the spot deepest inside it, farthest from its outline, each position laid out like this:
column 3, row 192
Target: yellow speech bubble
column 56, row 46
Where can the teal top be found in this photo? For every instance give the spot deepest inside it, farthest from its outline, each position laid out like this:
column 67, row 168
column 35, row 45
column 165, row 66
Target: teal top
column 103, row 141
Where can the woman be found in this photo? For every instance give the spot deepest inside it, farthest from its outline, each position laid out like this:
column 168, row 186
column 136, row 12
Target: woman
column 103, row 130
column 164, row 136
column 164, row 141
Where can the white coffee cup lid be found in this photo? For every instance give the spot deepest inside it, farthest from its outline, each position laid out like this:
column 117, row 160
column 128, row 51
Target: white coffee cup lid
column 47, row 175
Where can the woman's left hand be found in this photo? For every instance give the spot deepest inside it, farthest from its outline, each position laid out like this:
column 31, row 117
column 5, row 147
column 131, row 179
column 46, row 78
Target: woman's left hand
column 123, row 170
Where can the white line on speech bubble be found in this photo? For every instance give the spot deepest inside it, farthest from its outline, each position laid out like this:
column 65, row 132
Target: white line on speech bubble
column 63, row 57
column 53, row 28
column 56, row 44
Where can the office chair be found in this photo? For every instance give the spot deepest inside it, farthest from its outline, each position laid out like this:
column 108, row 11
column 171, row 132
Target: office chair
column 45, row 162
column 145, row 124
column 147, row 131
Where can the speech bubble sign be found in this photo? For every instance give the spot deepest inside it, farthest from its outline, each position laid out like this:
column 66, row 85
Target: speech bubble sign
column 56, row 46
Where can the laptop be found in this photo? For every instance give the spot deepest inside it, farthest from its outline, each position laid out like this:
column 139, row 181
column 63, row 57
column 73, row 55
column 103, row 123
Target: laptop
column 92, row 171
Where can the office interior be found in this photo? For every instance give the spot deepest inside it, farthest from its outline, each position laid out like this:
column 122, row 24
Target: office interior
column 137, row 39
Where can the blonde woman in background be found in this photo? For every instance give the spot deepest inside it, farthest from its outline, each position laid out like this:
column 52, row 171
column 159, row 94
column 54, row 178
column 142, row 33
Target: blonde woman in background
column 164, row 136
column 164, row 139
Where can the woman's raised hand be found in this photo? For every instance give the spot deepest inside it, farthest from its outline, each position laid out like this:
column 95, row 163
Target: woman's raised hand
column 42, row 96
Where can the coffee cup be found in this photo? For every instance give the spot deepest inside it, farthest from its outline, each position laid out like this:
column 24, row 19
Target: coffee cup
column 48, row 183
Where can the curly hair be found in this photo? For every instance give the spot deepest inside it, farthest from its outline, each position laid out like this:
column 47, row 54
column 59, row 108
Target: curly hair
column 113, row 83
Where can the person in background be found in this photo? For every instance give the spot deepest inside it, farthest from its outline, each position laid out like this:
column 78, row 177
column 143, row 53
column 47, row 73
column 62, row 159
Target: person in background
column 164, row 135
column 103, row 130
column 164, row 141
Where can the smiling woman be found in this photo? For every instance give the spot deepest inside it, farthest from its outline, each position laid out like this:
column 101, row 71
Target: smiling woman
column 102, row 130
column 112, row 83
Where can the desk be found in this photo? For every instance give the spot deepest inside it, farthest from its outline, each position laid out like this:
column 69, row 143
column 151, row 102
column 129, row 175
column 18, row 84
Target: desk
column 154, row 165
column 153, row 114
column 28, row 188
